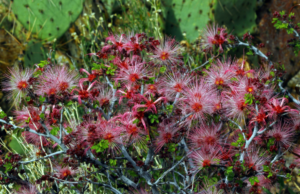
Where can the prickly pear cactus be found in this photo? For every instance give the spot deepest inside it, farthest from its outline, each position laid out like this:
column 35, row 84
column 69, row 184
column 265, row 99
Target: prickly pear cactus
column 237, row 15
column 33, row 54
column 186, row 17
column 49, row 19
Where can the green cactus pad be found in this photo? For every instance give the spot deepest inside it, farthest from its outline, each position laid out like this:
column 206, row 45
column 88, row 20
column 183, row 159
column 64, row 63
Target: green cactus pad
column 48, row 19
column 33, row 54
column 187, row 17
column 237, row 15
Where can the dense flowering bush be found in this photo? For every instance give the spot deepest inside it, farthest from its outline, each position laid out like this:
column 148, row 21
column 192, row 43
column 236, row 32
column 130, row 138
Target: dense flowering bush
column 143, row 121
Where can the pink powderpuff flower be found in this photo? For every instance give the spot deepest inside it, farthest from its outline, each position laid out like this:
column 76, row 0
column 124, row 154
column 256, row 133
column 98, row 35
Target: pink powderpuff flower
column 134, row 44
column 259, row 117
column 64, row 172
column 129, row 93
column 49, row 88
column 83, row 93
column 235, row 106
column 149, row 104
column 173, row 84
column 283, row 133
column 112, row 134
column 246, row 86
column 167, row 53
column 151, row 89
column 91, row 76
column 220, row 74
column 118, row 42
column 59, row 78
column 28, row 189
column 255, row 159
column 263, row 182
column 29, row 115
column 122, row 64
column 136, row 72
column 276, row 107
column 166, row 135
column 198, row 89
column 197, row 104
column 239, row 71
column 105, row 95
column 18, row 83
column 35, row 139
column 207, row 156
column 205, row 136
column 132, row 132
column 214, row 36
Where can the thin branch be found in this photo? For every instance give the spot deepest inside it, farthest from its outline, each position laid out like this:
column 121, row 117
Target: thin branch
column 42, row 158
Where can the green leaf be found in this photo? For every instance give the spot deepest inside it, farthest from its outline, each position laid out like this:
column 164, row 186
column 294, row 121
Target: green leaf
column 101, row 146
column 42, row 116
column 253, row 180
column 28, row 120
column 28, row 99
column 290, row 30
column 163, row 69
column 42, row 99
column 249, row 52
column 2, row 114
column 69, row 103
column 229, row 173
column 235, row 144
column 43, row 63
column 69, row 129
column 282, row 12
column 54, row 131
column 8, row 167
column 249, row 98
column 172, row 147
column 112, row 162
column 266, row 168
column 272, row 73
column 267, row 191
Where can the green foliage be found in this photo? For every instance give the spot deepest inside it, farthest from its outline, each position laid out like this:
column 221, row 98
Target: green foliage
column 69, row 129
column 169, row 108
column 153, row 118
column 42, row 99
column 253, row 180
column 185, row 17
column 229, row 173
column 54, row 131
column 43, row 63
column 271, row 142
column 34, row 53
column 48, row 19
column 172, row 147
column 112, row 162
column 239, row 142
column 239, row 17
column 101, row 146
column 163, row 69
column 2, row 115
column 249, row 98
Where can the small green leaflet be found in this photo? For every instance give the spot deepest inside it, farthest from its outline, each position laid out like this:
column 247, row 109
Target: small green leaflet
column 253, row 180
column 2, row 115
column 101, row 146
column 54, row 131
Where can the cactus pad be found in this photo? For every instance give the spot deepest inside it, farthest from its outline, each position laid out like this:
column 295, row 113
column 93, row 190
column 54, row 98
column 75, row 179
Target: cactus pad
column 187, row 17
column 49, row 19
column 238, row 16
column 33, row 54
